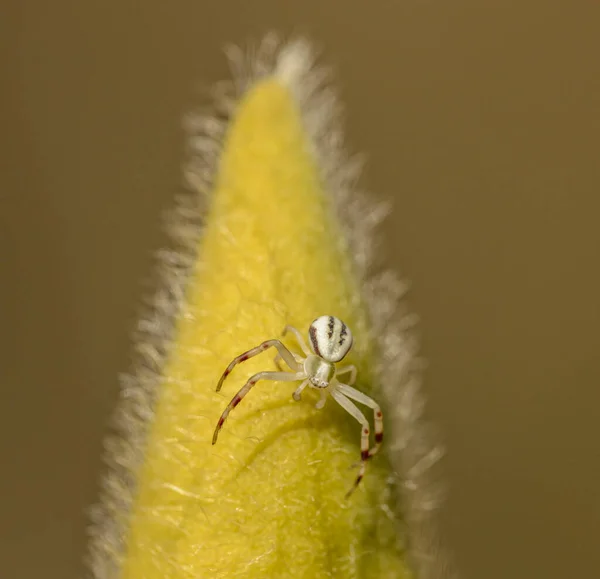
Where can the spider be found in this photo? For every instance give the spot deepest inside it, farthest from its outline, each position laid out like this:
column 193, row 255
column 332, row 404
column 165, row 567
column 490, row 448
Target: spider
column 330, row 340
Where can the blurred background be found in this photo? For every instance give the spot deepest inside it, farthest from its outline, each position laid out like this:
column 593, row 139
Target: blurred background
column 480, row 121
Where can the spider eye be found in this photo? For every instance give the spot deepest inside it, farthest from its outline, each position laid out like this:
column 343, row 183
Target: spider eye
column 330, row 338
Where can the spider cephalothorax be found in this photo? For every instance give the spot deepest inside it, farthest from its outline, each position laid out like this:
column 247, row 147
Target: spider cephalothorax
column 330, row 340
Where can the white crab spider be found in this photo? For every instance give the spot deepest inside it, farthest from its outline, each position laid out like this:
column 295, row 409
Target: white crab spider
column 330, row 340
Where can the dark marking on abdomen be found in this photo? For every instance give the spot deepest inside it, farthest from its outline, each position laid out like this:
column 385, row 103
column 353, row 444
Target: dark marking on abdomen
column 312, row 334
column 331, row 325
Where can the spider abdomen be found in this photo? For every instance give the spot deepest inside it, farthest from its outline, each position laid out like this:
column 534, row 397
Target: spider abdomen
column 330, row 338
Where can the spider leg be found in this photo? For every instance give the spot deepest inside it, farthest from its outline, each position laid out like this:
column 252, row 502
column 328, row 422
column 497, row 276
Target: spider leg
column 351, row 408
column 278, row 359
column 299, row 338
column 322, row 401
column 277, row 362
column 278, row 376
column 352, row 369
column 367, row 401
column 285, row 354
column 297, row 393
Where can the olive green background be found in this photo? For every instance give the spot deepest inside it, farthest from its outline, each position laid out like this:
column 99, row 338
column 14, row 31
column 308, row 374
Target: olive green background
column 480, row 120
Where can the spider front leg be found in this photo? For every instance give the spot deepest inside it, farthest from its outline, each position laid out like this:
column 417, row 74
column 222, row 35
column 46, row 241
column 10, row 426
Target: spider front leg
column 277, row 376
column 285, row 354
